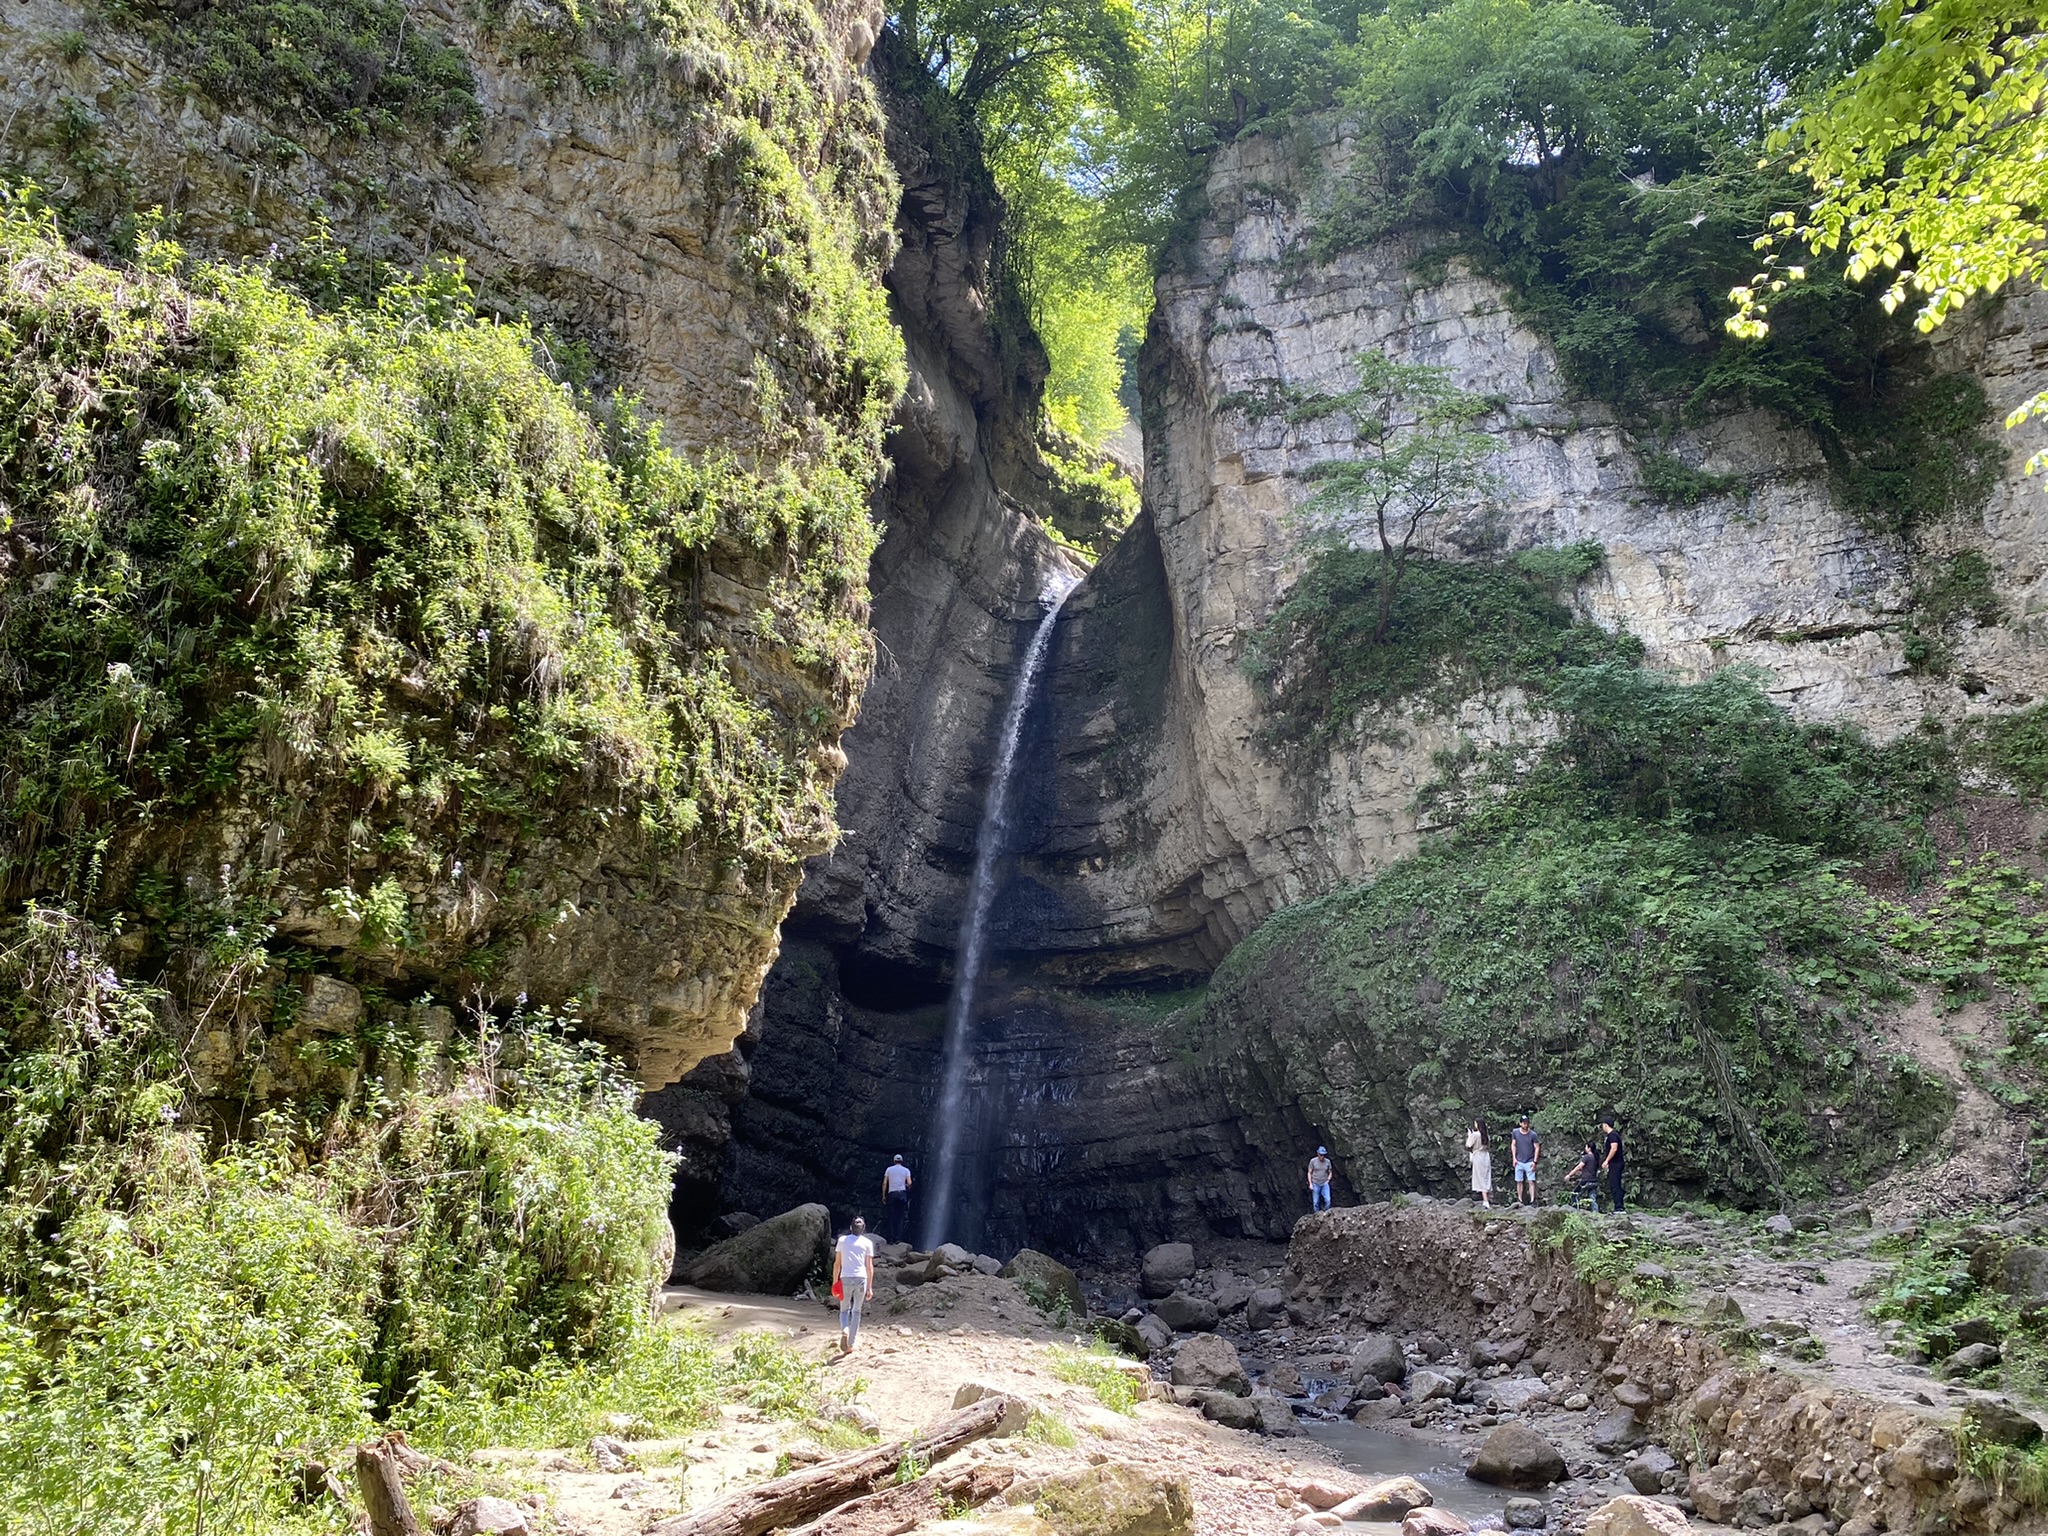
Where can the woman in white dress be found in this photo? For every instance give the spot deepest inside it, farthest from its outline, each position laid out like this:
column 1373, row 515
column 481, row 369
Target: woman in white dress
column 1482, row 1163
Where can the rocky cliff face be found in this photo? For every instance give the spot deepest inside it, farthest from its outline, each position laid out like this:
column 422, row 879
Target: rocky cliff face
column 693, row 207
column 1158, row 830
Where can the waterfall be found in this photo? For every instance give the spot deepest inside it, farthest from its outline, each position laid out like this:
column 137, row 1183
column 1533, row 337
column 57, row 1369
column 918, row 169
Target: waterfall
column 989, row 847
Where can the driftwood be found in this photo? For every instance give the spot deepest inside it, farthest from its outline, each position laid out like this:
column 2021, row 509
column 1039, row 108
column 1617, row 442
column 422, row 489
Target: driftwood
column 379, row 1475
column 801, row 1496
column 906, row 1506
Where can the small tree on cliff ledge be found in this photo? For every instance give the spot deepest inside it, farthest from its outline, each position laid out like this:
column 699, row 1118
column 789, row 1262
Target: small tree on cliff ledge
column 1421, row 456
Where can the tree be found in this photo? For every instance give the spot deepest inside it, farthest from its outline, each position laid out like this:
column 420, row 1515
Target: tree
column 1421, row 457
column 1931, row 161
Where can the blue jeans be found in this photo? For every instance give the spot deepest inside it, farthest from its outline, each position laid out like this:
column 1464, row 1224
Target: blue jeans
column 1319, row 1197
column 849, row 1313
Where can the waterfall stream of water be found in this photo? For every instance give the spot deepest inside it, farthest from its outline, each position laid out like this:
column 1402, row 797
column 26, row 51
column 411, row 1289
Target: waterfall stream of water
column 991, row 842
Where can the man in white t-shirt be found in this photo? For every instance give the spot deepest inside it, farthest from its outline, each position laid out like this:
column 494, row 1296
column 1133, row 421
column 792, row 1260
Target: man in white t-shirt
column 853, row 1280
column 896, row 1182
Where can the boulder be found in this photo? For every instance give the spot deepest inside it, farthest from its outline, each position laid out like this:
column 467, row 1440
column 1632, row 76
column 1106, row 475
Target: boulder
column 1232, row 1411
column 733, row 1223
column 772, row 1256
column 1617, row 1431
column 1431, row 1348
column 1121, row 1336
column 2025, row 1273
column 1995, row 1422
column 1515, row 1456
column 1778, row 1226
column 1208, row 1361
column 1282, row 1380
column 1116, row 1499
column 1634, row 1515
column 947, row 1259
column 983, row 1264
column 1433, row 1522
column 1155, row 1334
column 1231, row 1294
column 1970, row 1359
column 1648, row 1469
column 490, row 1517
column 1390, row 1499
column 1046, row 1280
column 1429, row 1386
column 1723, row 1310
column 1491, row 1352
column 1319, row 1493
column 1186, row 1314
column 1164, row 1268
column 1526, row 1514
column 1514, row 1394
column 1632, row 1394
column 1378, row 1356
column 1275, row 1417
column 1266, row 1307
column 1383, row 1410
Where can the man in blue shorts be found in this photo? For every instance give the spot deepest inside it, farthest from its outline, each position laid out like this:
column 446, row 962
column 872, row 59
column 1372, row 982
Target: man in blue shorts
column 1528, row 1147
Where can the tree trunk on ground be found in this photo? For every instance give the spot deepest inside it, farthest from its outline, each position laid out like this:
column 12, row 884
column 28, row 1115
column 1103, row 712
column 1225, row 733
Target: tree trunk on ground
column 805, row 1495
column 378, row 1475
column 893, row 1511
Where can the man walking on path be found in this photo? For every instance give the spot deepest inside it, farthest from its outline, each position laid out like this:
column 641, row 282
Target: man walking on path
column 1319, row 1170
column 1611, row 1159
column 1528, row 1148
column 853, row 1280
column 896, row 1182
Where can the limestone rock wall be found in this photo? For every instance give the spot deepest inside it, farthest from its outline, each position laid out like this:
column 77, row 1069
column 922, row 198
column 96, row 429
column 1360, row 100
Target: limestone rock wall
column 608, row 186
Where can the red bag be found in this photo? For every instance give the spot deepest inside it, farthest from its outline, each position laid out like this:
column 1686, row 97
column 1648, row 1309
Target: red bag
column 838, row 1291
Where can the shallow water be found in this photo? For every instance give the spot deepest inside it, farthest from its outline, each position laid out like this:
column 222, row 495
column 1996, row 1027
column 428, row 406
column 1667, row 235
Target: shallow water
column 1374, row 1453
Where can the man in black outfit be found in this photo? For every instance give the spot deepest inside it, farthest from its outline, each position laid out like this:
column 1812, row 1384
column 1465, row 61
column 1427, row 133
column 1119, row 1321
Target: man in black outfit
column 1611, row 1159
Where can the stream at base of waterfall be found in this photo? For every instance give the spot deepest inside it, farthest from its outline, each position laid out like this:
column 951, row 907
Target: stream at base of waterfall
column 990, row 845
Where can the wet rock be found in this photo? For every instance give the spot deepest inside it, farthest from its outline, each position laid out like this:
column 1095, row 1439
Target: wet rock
column 1997, row 1422
column 1116, row 1499
column 1617, row 1431
column 771, row 1257
column 1155, row 1334
column 1647, row 1469
column 1046, row 1280
column 1970, row 1359
column 1275, row 1417
column 1516, row 1456
column 1186, row 1314
column 1165, row 1267
column 1526, row 1514
column 1378, row 1356
column 1207, row 1361
column 1634, row 1515
column 1390, row 1499
column 1265, row 1308
column 1492, row 1352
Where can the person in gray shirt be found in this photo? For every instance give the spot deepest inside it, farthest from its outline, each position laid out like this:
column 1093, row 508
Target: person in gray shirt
column 1528, row 1148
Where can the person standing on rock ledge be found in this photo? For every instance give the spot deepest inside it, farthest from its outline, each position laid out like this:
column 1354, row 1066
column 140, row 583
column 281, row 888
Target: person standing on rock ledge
column 1320, row 1168
column 853, row 1280
column 1611, row 1159
column 896, row 1182
column 1528, row 1149
column 1482, row 1163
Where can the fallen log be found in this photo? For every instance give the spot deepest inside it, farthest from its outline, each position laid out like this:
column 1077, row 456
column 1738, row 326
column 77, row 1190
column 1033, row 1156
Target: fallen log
column 801, row 1496
column 378, row 1475
column 892, row 1511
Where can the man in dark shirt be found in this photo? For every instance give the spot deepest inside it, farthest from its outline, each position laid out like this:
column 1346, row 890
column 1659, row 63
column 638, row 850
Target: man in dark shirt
column 1528, row 1148
column 1611, row 1159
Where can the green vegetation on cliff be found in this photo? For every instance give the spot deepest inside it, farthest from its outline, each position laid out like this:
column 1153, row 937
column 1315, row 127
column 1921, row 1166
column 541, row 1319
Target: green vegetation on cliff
column 1654, row 914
